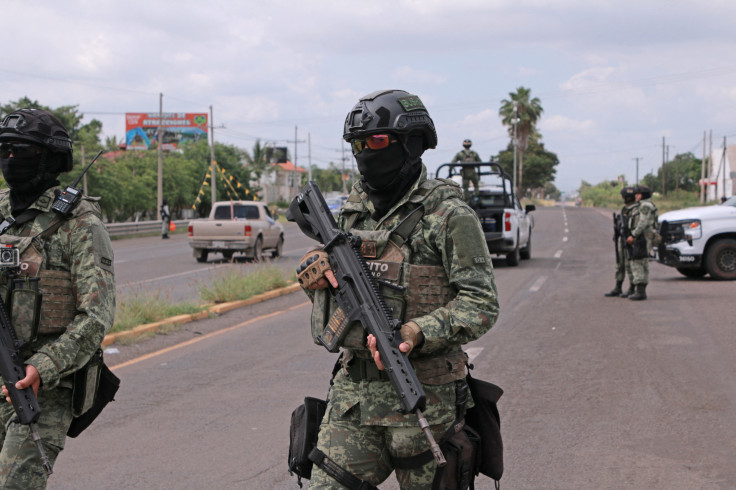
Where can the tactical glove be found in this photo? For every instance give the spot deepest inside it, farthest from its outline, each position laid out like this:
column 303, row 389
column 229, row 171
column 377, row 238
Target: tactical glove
column 312, row 267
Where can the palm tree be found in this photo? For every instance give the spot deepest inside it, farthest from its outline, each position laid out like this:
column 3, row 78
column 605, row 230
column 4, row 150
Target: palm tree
column 527, row 111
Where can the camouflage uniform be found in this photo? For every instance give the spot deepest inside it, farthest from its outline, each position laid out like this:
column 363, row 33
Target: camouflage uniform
column 642, row 221
column 362, row 430
column 469, row 174
column 77, row 311
column 623, row 266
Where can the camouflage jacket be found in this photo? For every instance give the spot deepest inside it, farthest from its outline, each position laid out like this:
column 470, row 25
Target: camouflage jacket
column 81, row 246
column 643, row 219
column 466, row 156
column 449, row 236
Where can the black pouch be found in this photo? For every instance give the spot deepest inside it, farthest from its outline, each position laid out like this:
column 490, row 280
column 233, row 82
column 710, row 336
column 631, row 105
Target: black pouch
column 107, row 386
column 462, row 452
column 484, row 418
column 639, row 248
column 305, row 422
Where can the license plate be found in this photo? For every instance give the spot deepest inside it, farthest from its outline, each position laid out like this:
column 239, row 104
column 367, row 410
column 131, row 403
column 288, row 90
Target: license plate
column 218, row 244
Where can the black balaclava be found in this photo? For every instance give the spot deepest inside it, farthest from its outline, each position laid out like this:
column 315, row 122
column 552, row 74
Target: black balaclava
column 388, row 173
column 29, row 177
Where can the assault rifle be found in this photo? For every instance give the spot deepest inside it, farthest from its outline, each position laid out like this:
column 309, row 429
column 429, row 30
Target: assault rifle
column 12, row 370
column 625, row 233
column 358, row 297
column 616, row 233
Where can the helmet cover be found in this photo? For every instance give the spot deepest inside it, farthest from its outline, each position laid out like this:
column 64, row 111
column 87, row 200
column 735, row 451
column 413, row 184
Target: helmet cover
column 39, row 127
column 394, row 111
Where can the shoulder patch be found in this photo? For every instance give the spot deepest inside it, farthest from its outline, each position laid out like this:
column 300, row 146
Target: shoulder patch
column 411, row 103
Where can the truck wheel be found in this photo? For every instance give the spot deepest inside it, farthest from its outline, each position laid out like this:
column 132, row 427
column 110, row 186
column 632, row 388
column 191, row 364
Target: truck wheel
column 720, row 259
column 526, row 252
column 258, row 250
column 279, row 248
column 201, row 255
column 695, row 273
column 512, row 259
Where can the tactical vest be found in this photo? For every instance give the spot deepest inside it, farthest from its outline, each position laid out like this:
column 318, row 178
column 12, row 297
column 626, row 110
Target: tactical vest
column 40, row 301
column 410, row 289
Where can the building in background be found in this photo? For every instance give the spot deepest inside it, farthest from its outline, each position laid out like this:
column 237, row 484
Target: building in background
column 722, row 173
column 281, row 183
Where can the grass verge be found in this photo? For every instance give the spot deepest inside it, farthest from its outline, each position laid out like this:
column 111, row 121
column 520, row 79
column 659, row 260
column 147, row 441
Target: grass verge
column 144, row 307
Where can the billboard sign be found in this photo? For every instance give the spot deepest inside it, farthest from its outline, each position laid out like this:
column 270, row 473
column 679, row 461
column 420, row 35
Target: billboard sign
column 179, row 129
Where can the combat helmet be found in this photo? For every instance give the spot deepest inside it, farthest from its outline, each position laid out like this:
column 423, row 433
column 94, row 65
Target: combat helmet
column 628, row 194
column 645, row 191
column 467, row 143
column 39, row 127
column 396, row 111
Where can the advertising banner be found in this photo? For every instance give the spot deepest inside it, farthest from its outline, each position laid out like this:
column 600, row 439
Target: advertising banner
column 179, row 129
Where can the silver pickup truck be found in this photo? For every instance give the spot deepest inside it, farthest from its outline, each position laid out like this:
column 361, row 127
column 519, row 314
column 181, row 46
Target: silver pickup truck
column 245, row 227
column 506, row 225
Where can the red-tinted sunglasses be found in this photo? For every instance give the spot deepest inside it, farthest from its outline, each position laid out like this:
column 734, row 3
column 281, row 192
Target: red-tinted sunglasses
column 374, row 142
column 18, row 150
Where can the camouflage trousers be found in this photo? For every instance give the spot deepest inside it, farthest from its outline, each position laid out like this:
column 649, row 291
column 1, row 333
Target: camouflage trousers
column 623, row 266
column 467, row 179
column 366, row 451
column 20, row 463
column 640, row 271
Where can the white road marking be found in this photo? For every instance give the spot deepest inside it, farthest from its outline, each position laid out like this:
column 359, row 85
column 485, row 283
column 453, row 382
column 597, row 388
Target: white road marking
column 564, row 238
column 558, row 254
column 537, row 284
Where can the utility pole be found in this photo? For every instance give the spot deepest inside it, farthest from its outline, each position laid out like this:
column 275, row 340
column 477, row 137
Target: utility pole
column 516, row 142
column 702, row 174
column 309, row 149
column 213, row 163
column 294, row 184
column 160, row 196
column 664, row 170
column 343, row 158
column 637, row 168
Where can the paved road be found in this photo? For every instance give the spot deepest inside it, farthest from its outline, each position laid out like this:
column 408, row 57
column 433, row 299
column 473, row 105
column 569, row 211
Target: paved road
column 150, row 265
column 600, row 392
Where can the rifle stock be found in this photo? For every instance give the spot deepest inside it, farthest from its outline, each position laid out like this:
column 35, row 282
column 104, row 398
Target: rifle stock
column 358, row 297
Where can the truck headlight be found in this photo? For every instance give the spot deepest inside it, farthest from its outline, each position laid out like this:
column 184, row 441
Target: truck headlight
column 692, row 229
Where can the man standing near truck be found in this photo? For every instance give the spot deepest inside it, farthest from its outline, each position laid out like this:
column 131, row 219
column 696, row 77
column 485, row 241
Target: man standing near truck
column 623, row 264
column 642, row 223
column 469, row 174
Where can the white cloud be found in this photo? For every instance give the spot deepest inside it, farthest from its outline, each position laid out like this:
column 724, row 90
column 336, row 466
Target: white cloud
column 407, row 74
column 564, row 124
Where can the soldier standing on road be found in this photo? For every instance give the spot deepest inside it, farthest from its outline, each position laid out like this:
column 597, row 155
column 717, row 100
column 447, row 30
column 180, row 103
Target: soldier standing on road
column 642, row 223
column 469, row 174
column 361, row 431
column 165, row 219
column 623, row 264
column 71, row 261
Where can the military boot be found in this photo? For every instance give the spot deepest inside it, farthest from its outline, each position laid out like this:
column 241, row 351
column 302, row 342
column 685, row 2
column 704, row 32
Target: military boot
column 615, row 291
column 640, row 294
column 632, row 290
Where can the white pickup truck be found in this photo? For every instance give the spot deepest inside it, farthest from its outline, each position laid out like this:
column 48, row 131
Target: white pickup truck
column 245, row 227
column 700, row 240
column 506, row 225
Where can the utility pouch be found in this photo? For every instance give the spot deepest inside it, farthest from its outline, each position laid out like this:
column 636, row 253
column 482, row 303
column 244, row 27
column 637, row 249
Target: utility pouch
column 94, row 387
column 462, row 451
column 305, row 422
column 24, row 308
column 639, row 248
column 485, row 419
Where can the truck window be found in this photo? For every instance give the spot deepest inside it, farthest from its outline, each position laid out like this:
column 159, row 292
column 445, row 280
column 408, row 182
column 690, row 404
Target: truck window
column 246, row 212
column 222, row 212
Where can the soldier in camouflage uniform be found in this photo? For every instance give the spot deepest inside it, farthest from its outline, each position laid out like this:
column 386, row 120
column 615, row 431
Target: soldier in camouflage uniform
column 469, row 174
column 446, row 296
column 642, row 223
column 623, row 265
column 72, row 260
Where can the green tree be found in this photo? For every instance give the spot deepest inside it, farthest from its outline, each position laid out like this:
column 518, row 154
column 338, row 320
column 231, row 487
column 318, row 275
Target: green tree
column 540, row 164
column 526, row 111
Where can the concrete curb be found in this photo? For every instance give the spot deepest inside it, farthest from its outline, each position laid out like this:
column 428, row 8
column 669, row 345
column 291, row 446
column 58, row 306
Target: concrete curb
column 217, row 309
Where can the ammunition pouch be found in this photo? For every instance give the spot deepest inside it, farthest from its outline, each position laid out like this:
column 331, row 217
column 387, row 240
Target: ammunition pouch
column 94, row 387
column 462, row 453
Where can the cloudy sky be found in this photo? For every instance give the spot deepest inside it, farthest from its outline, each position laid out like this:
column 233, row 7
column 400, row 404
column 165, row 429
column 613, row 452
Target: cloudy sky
column 614, row 76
